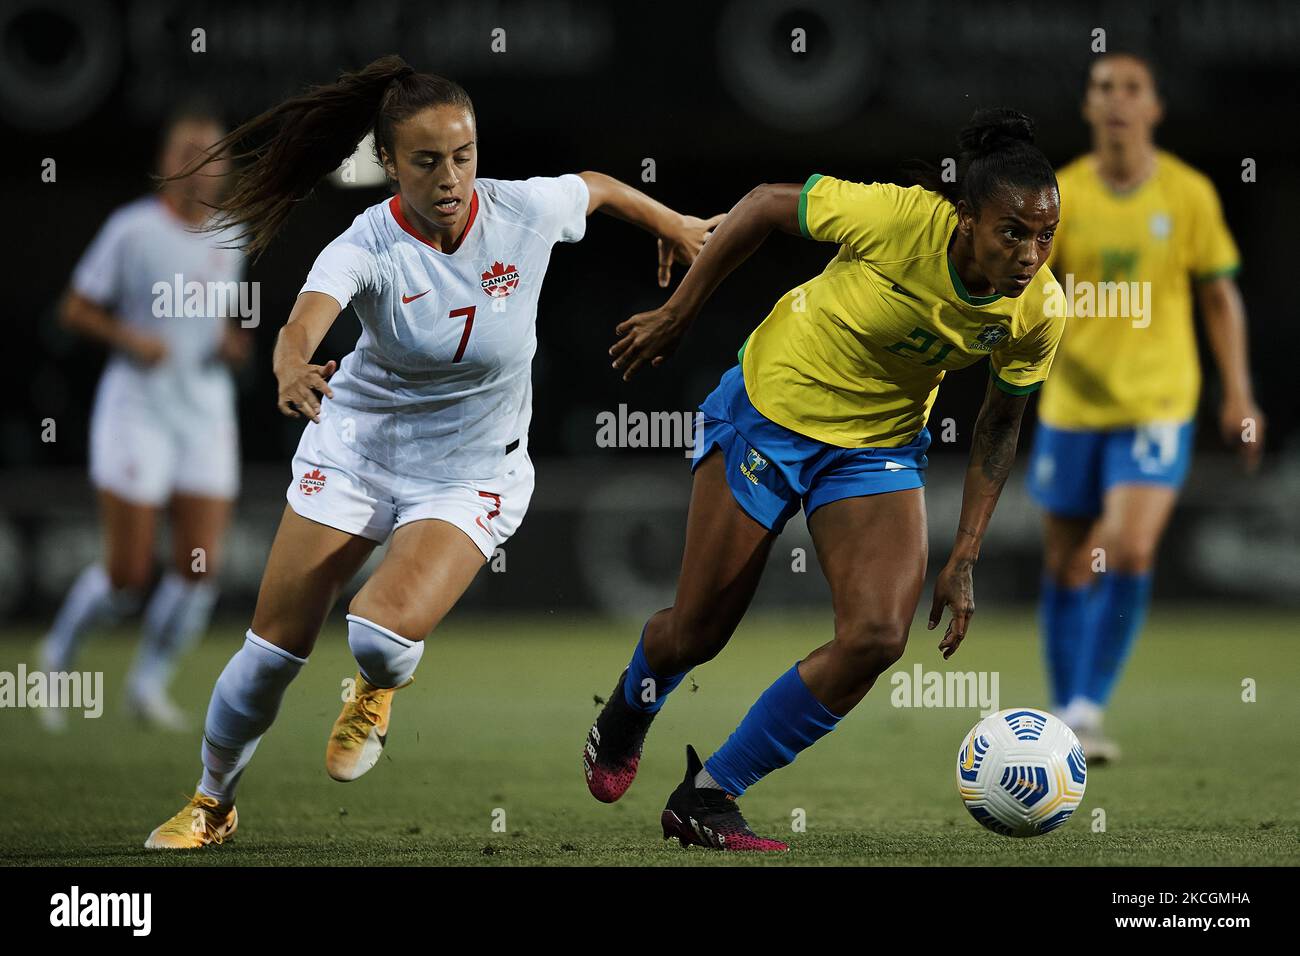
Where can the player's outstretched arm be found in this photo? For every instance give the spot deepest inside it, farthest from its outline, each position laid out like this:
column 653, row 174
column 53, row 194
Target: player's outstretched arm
column 300, row 383
column 1240, row 420
column 993, row 449
column 680, row 237
column 653, row 336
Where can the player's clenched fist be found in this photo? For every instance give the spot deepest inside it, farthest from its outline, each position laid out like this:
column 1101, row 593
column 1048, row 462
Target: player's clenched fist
column 301, row 387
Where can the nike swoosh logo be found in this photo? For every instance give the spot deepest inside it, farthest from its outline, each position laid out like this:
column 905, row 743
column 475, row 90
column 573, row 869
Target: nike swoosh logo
column 407, row 299
column 893, row 466
column 901, row 291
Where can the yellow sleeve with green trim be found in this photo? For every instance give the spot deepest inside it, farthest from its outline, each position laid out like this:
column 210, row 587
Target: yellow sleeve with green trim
column 858, row 215
column 1213, row 251
column 1021, row 366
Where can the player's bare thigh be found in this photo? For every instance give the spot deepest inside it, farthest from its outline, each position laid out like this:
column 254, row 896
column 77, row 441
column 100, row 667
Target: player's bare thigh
column 198, row 526
column 1133, row 520
column 426, row 569
column 722, row 564
column 308, row 565
column 873, row 551
column 128, row 529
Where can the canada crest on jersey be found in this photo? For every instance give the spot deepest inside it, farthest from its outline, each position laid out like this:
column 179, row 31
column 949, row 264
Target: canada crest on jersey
column 500, row 280
column 990, row 337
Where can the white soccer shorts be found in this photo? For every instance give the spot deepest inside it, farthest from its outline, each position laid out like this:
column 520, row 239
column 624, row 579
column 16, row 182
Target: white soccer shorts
column 146, row 454
column 334, row 486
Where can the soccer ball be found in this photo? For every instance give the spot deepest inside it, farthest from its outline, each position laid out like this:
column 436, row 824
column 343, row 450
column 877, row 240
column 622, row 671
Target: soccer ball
column 1021, row 772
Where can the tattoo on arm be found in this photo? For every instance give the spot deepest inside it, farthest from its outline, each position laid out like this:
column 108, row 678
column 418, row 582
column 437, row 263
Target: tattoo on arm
column 996, row 432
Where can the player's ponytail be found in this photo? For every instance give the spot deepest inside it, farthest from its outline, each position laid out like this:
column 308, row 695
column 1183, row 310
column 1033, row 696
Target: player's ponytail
column 996, row 150
column 292, row 146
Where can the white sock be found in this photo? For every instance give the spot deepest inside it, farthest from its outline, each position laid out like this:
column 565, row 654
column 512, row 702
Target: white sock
column 385, row 659
column 91, row 602
column 177, row 615
column 704, row 780
column 244, row 702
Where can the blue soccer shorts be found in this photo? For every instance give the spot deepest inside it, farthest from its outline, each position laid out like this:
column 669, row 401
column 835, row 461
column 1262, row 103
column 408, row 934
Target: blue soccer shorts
column 772, row 470
column 1070, row 470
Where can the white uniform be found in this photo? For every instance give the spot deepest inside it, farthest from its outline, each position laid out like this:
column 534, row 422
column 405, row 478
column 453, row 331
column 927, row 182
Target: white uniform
column 430, row 412
column 171, row 427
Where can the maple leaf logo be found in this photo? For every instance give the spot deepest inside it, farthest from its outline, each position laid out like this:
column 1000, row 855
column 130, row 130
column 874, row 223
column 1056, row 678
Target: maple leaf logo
column 312, row 482
column 500, row 280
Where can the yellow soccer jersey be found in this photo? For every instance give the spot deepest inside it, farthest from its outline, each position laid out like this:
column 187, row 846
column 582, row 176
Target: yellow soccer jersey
column 854, row 357
column 1139, row 366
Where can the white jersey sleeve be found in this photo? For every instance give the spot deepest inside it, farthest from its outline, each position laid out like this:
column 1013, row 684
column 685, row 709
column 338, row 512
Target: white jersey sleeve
column 98, row 275
column 349, row 266
column 558, row 207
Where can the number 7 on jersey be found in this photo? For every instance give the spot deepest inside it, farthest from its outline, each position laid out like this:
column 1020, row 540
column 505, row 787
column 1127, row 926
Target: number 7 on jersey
column 468, row 312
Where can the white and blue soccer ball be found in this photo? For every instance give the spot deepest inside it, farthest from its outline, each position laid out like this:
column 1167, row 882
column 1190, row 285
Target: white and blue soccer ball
column 1021, row 772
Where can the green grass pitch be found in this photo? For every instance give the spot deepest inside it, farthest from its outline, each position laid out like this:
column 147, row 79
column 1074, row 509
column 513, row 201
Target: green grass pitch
column 492, row 730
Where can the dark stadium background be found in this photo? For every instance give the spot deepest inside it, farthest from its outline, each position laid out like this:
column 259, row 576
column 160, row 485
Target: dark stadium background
column 711, row 93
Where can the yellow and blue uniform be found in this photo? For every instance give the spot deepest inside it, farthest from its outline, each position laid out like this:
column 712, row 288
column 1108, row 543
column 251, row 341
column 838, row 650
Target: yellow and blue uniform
column 830, row 401
column 1125, row 386
column 833, row 389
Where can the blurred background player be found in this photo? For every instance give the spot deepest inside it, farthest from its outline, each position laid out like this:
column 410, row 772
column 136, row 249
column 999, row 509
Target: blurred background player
column 163, row 432
column 420, row 439
column 827, row 411
column 1116, row 420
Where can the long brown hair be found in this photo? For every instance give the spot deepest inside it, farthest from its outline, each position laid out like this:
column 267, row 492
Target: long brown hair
column 297, row 143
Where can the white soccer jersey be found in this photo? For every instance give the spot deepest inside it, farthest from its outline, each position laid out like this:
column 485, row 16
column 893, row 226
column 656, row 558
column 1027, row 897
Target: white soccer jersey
column 141, row 266
column 440, row 383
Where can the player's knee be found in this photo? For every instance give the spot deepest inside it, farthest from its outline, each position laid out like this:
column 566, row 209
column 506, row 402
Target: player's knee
column 285, row 632
column 1131, row 556
column 132, row 575
column 385, row 657
column 874, row 640
column 1069, row 567
column 410, row 622
column 282, row 624
column 697, row 638
column 1071, row 574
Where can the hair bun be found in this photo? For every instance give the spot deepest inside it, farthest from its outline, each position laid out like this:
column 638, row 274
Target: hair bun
column 991, row 130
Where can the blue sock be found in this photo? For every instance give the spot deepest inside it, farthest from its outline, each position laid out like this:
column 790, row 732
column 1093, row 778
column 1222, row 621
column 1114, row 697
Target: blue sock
column 1064, row 618
column 644, row 690
column 786, row 719
column 1122, row 601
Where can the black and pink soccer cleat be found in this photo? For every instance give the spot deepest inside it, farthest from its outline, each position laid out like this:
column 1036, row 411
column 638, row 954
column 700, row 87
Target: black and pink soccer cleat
column 707, row 817
column 613, row 748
